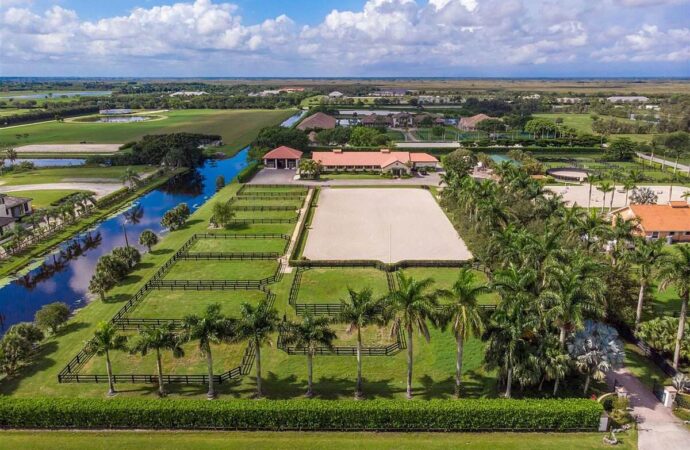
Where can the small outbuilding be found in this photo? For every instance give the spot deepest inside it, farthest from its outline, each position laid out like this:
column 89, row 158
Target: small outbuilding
column 282, row 157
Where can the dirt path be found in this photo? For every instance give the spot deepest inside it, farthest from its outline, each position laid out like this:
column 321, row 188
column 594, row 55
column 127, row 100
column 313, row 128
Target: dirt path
column 658, row 428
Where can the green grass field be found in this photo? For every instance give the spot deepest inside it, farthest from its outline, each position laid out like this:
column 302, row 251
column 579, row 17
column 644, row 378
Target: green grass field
column 330, row 285
column 582, row 123
column 237, row 127
column 221, row 270
column 126, row 440
column 239, row 245
column 44, row 199
column 161, row 304
column 13, row 111
column 445, row 277
column 93, row 174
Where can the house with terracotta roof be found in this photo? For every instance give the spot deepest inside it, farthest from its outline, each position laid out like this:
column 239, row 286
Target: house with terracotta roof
column 470, row 123
column 670, row 221
column 282, row 157
column 386, row 161
column 317, row 121
column 376, row 120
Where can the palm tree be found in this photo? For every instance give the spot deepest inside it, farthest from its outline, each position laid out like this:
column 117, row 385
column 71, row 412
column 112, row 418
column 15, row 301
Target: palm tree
column 596, row 350
column 130, row 177
column 604, row 187
column 106, row 339
column 463, row 313
column 592, row 179
column 148, row 238
column 158, row 338
column 358, row 311
column 210, row 328
column 412, row 306
column 133, row 216
column 572, row 290
column 675, row 270
column 11, row 154
column 310, row 335
column 628, row 185
column 256, row 326
column 646, row 257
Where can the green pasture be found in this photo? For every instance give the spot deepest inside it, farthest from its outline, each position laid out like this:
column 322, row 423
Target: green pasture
column 239, row 245
column 187, row 269
column 330, row 285
column 166, row 304
column 88, row 174
column 44, row 198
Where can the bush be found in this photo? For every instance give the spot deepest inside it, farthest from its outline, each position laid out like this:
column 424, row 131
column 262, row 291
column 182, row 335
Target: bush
column 52, row 316
column 248, row 172
column 442, row 415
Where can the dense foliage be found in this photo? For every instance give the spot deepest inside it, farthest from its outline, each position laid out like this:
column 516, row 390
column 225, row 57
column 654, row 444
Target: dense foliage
column 389, row 415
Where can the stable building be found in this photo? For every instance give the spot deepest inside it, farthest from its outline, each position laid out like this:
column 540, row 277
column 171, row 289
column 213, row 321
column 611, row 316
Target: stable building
column 385, row 161
column 318, row 121
column 282, row 157
column 670, row 221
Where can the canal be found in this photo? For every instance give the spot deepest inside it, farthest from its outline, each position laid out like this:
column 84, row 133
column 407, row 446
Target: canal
column 64, row 275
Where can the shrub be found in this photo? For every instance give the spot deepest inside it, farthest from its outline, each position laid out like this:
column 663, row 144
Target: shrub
column 52, row 316
column 441, row 415
column 248, row 172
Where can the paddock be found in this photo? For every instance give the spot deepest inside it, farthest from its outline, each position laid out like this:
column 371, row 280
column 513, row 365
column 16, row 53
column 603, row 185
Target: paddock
column 386, row 224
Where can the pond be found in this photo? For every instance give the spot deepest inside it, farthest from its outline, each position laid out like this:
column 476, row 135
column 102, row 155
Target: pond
column 290, row 121
column 115, row 119
column 48, row 162
column 64, row 276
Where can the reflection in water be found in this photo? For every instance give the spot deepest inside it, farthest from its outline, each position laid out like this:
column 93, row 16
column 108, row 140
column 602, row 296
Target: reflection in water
column 64, row 276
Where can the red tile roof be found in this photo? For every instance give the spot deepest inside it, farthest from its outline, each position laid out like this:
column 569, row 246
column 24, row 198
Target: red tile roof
column 378, row 159
column 317, row 121
column 471, row 122
column 674, row 217
column 283, row 152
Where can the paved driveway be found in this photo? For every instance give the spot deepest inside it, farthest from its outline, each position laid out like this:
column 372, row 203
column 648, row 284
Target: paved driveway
column 285, row 176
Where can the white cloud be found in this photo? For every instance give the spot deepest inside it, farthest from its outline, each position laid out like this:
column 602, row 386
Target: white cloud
column 403, row 35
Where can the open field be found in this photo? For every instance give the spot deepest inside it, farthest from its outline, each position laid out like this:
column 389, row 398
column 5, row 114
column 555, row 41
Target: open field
column 68, row 148
column 221, row 270
column 44, row 199
column 239, row 245
column 444, row 278
column 330, row 285
column 388, row 225
column 90, row 174
column 237, row 127
column 13, row 111
column 582, row 123
column 129, row 440
column 163, row 304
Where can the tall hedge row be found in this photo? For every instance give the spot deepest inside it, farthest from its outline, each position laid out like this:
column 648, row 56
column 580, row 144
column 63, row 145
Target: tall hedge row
column 439, row 415
column 248, row 172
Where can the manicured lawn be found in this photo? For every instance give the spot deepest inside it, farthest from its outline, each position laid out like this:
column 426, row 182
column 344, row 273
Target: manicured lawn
column 444, row 278
column 583, row 124
column 331, row 285
column 44, row 199
column 165, row 304
column 87, row 174
column 372, row 336
column 261, row 228
column 265, row 214
column 225, row 357
column 257, row 188
column 268, row 201
column 239, row 245
column 125, row 440
column 13, row 111
column 237, row 127
column 640, row 366
column 221, row 270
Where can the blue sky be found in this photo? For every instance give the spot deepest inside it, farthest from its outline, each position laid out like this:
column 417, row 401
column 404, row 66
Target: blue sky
column 526, row 38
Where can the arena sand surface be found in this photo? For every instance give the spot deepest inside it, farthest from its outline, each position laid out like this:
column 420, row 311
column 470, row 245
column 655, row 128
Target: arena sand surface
column 387, row 225
column 69, row 148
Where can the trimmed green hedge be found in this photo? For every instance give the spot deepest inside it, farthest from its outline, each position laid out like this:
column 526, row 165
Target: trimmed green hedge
column 440, row 415
column 248, row 172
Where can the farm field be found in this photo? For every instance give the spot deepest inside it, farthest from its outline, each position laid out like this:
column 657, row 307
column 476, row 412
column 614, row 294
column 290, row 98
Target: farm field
column 127, row 440
column 237, row 127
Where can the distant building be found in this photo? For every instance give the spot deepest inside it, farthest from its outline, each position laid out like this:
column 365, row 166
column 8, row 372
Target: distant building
column 627, row 99
column 375, row 120
column 389, row 93
column 318, row 121
column 397, row 163
column 470, row 123
column 531, row 97
column 670, row 222
column 568, row 100
column 188, row 93
column 291, row 89
column 436, row 99
column 11, row 210
column 336, row 94
column 282, row 158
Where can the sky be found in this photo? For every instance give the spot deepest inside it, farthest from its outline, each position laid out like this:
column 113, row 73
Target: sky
column 353, row 38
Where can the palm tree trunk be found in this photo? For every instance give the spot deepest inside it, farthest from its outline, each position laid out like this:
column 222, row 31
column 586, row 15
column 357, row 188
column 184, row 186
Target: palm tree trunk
column 670, row 191
column 409, row 362
column 555, row 386
column 586, row 384
column 589, row 198
column 109, row 370
column 611, row 202
column 161, row 390
column 640, row 300
column 258, row 369
column 310, row 391
column 124, row 231
column 603, row 203
column 681, row 330
column 509, row 382
column 561, row 338
column 459, row 341
column 359, row 395
column 211, row 394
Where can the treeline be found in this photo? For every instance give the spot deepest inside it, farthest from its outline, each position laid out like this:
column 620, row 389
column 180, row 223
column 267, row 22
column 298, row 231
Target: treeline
column 173, row 150
column 49, row 114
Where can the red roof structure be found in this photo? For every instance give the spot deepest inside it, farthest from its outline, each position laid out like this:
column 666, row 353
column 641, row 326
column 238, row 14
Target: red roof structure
column 381, row 159
column 318, row 121
column 283, row 152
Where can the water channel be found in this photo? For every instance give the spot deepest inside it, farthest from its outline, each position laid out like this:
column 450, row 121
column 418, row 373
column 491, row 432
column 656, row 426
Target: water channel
column 64, row 275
